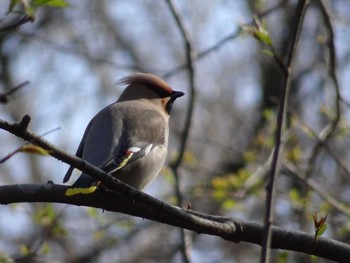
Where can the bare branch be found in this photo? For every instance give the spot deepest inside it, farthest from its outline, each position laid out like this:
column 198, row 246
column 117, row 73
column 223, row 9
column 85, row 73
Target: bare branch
column 223, row 41
column 20, row 149
column 190, row 58
column 283, row 106
column 330, row 128
column 4, row 97
column 325, row 143
column 332, row 63
column 15, row 25
column 225, row 227
column 295, row 171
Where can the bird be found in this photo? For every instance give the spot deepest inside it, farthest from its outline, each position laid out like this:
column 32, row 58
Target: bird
column 129, row 138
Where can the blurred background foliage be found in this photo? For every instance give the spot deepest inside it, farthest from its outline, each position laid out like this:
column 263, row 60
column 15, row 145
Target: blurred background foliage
column 72, row 57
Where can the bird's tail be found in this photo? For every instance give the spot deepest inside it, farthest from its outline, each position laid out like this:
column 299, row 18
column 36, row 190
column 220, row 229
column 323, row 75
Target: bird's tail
column 84, row 181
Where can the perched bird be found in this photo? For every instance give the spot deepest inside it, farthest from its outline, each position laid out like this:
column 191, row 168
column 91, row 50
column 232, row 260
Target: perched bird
column 129, row 138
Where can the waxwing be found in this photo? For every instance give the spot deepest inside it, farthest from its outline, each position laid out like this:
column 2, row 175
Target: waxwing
column 129, row 138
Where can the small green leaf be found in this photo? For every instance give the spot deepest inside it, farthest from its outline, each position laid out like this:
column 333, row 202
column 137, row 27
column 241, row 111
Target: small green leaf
column 45, row 215
column 259, row 31
column 320, row 225
column 24, row 249
column 92, row 212
column 322, row 229
column 282, row 257
column 190, row 159
column 294, row 154
column 267, row 52
column 228, row 204
column 249, row 29
column 250, row 156
column 264, row 37
column 59, row 230
column 53, row 3
column 268, row 114
column 46, row 248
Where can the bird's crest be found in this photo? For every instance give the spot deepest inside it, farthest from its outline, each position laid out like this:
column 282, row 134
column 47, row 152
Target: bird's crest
column 158, row 85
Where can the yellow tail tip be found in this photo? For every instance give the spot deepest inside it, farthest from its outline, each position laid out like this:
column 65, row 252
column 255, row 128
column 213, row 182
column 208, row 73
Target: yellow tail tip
column 76, row 191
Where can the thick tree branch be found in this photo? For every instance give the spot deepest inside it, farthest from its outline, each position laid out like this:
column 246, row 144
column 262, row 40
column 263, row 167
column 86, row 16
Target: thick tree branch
column 225, row 227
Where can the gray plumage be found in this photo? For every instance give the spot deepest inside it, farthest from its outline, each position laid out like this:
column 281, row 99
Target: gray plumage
column 129, row 138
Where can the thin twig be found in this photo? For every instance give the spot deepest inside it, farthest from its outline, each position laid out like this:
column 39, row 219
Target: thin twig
column 327, row 146
column 4, row 97
column 9, row 155
column 296, row 172
column 283, row 106
column 223, row 41
column 21, row 21
column 330, row 128
column 332, row 63
column 325, row 135
column 190, row 58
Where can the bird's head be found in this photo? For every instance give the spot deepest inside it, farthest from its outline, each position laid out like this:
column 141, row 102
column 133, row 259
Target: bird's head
column 148, row 86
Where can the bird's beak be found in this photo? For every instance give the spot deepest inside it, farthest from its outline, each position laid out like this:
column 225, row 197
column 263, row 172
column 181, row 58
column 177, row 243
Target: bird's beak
column 173, row 96
column 176, row 94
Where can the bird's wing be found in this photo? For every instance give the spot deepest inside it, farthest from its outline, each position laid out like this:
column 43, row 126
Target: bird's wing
column 139, row 137
column 120, row 159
